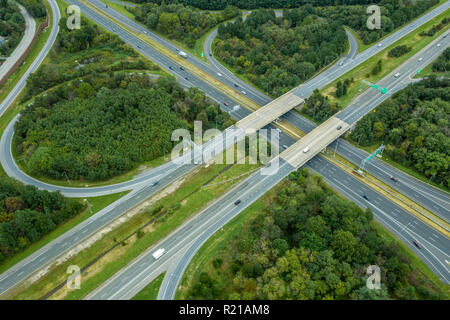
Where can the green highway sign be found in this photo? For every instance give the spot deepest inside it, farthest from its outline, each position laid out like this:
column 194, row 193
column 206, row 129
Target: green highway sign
column 383, row 90
column 418, row 71
column 202, row 54
column 375, row 86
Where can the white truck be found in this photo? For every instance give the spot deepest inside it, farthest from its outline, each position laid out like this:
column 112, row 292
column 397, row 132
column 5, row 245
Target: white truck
column 183, row 54
column 158, row 253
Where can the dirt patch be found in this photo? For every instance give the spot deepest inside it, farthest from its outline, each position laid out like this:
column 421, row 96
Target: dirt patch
column 149, row 228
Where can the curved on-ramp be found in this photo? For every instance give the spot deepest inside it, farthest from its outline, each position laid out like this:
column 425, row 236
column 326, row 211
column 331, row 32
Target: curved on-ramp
column 30, row 29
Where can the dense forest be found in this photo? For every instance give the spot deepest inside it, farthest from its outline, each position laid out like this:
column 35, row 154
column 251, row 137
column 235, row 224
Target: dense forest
column 394, row 13
column 255, row 4
column 435, row 28
column 179, row 22
column 277, row 54
column 310, row 243
column 97, row 119
column 442, row 64
column 107, row 125
column 12, row 26
column 27, row 214
column 35, row 7
column 414, row 126
column 319, row 108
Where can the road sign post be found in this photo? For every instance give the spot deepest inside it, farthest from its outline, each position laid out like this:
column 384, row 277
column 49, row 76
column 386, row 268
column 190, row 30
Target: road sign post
column 364, row 161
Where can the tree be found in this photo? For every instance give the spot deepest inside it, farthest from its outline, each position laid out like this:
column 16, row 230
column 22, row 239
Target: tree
column 343, row 244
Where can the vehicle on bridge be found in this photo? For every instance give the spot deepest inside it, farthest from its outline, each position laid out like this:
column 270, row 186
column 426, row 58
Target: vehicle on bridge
column 183, row 54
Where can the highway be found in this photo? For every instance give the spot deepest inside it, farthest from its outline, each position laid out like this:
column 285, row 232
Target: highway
column 37, row 62
column 30, row 29
column 251, row 121
column 437, row 202
column 435, row 246
column 426, row 195
column 51, row 252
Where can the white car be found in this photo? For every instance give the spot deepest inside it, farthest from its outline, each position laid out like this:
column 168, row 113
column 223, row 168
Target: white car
column 158, row 253
column 243, row 92
column 278, row 129
column 420, row 59
column 341, row 63
column 397, row 74
column 438, row 44
column 219, row 74
column 379, row 45
column 306, row 150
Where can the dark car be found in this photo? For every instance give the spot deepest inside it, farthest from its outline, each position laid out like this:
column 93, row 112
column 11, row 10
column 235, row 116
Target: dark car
column 187, row 78
column 417, row 244
column 171, row 68
column 236, row 85
column 365, row 197
column 210, row 54
column 154, row 183
column 237, row 202
column 394, row 179
column 181, row 68
column 339, row 127
column 138, row 46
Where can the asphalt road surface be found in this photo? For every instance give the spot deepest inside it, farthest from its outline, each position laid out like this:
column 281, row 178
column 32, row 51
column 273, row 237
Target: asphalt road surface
column 21, row 272
column 36, row 63
column 30, row 28
column 435, row 246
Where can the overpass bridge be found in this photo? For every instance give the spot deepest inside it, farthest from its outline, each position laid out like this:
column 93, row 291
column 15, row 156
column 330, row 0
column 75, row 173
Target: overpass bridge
column 182, row 244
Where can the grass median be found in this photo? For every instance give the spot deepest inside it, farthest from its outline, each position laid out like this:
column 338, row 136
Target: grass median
column 218, row 244
column 363, row 71
column 179, row 202
column 96, row 203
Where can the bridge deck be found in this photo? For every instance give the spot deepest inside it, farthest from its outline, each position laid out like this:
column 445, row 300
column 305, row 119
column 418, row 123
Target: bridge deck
column 316, row 140
column 271, row 111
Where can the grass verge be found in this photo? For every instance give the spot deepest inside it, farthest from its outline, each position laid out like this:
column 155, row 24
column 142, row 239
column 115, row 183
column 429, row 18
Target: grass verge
column 217, row 244
column 97, row 203
column 385, row 233
column 397, row 165
column 150, row 292
column 179, row 204
column 37, row 47
column 363, row 71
